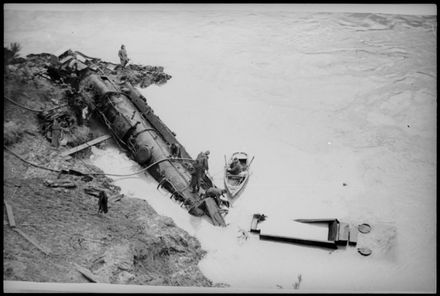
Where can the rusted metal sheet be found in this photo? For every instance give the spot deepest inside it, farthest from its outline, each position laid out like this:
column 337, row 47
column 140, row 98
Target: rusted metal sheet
column 343, row 233
column 353, row 236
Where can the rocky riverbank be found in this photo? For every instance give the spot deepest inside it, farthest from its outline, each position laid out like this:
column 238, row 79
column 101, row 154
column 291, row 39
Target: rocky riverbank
column 67, row 239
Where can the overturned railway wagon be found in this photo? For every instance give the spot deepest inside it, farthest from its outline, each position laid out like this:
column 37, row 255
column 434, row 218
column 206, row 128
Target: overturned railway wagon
column 106, row 92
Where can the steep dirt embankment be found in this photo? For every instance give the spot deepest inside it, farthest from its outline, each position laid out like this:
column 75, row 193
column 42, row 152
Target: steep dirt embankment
column 129, row 244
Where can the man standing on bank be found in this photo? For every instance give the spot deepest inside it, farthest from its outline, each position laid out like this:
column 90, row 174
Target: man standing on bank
column 123, row 56
column 102, row 202
column 203, row 160
column 195, row 176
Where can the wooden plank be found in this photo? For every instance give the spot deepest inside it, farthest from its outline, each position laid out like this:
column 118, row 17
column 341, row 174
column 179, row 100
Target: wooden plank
column 85, row 145
column 353, row 235
column 32, row 241
column 10, row 215
column 343, row 233
column 87, row 274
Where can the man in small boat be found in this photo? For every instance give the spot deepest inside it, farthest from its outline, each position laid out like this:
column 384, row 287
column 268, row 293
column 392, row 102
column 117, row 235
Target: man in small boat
column 235, row 167
column 123, row 56
column 216, row 193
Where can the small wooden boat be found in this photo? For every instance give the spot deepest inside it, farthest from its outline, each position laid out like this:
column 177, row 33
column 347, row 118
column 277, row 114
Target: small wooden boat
column 234, row 183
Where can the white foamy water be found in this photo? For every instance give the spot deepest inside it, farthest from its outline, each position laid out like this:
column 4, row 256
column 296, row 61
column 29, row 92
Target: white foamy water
column 320, row 99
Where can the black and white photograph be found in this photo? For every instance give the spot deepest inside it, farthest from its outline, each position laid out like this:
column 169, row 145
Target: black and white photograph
column 220, row 148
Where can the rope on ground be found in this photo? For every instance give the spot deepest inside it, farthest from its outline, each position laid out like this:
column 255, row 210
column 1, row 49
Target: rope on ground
column 33, row 110
column 96, row 174
column 17, row 104
column 28, row 162
column 57, row 107
column 21, row 183
column 142, row 170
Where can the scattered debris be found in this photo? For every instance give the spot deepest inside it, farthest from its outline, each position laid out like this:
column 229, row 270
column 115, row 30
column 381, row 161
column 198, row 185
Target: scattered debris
column 10, row 214
column 30, row 133
column 96, row 193
column 60, row 183
column 85, row 177
column 44, row 250
column 144, row 76
column 55, row 123
column 261, row 217
column 87, row 274
column 344, row 184
column 364, row 228
column 118, row 198
column 257, row 218
column 93, row 191
column 243, row 235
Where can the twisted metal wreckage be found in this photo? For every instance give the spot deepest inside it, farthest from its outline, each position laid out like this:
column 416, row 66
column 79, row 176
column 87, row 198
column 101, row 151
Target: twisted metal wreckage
column 105, row 89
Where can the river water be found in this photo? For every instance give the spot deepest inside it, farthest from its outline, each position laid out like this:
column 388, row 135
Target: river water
column 320, row 99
